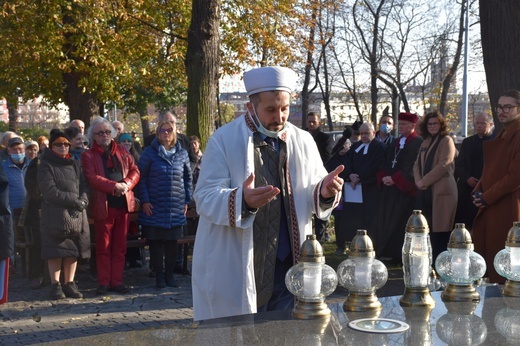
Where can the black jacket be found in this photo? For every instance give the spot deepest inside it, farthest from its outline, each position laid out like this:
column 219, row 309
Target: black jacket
column 324, row 143
column 62, row 184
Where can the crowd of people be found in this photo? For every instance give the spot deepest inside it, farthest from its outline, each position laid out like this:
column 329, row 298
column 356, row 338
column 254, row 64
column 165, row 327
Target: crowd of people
column 101, row 176
column 262, row 188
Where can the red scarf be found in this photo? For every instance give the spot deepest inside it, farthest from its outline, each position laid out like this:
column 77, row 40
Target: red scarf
column 109, row 154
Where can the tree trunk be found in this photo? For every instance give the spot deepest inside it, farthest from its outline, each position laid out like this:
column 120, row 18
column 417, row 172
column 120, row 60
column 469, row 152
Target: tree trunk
column 12, row 108
column 202, row 68
column 452, row 71
column 145, row 123
column 81, row 105
column 308, row 69
column 500, row 34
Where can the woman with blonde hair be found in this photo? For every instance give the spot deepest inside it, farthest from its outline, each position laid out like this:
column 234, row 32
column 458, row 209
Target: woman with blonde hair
column 165, row 193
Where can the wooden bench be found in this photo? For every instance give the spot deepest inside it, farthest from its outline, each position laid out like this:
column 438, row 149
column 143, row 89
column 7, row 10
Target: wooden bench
column 186, row 241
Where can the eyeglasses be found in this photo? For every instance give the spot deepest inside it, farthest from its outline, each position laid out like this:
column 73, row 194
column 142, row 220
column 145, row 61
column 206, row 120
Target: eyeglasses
column 101, row 133
column 168, row 131
column 126, row 141
column 61, row 144
column 505, row 108
column 433, row 124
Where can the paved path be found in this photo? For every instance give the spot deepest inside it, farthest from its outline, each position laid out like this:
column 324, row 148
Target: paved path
column 30, row 318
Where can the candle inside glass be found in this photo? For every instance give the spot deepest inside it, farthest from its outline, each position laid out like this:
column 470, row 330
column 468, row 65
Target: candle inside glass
column 460, row 263
column 515, row 259
column 419, row 268
column 363, row 273
column 312, row 279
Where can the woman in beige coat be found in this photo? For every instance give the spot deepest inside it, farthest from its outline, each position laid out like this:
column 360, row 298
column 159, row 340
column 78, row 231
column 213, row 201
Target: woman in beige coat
column 433, row 174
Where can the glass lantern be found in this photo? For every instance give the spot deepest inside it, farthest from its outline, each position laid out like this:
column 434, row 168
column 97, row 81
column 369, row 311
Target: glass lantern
column 460, row 326
column 460, row 266
column 417, row 263
column 362, row 274
column 507, row 262
column 311, row 281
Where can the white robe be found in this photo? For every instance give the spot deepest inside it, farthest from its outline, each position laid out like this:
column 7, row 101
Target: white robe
column 223, row 279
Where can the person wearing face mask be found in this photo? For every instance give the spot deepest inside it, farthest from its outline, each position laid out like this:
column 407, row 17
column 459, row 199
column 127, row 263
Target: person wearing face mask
column 386, row 125
column 260, row 182
column 15, row 167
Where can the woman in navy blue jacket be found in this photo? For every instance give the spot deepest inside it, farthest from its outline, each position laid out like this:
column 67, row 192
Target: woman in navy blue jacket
column 165, row 192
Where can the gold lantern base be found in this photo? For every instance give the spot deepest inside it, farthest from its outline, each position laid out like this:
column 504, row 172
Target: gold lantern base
column 358, row 302
column 417, row 297
column 511, row 289
column 311, row 310
column 460, row 293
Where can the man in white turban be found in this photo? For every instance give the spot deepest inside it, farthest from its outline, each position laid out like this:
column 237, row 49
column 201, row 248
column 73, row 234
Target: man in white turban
column 260, row 182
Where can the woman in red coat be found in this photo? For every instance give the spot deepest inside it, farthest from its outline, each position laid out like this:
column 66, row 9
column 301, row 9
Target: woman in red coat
column 112, row 174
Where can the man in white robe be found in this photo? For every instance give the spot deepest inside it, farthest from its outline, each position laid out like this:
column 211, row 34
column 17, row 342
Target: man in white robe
column 223, row 273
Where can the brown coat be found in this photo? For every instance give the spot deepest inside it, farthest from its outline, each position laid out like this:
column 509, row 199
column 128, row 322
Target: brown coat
column 500, row 185
column 441, row 181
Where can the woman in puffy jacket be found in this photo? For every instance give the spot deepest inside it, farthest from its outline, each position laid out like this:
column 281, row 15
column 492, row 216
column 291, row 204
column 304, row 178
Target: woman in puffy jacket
column 65, row 234
column 165, row 192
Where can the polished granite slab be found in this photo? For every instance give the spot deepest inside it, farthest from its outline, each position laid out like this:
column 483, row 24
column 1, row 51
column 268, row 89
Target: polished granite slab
column 492, row 323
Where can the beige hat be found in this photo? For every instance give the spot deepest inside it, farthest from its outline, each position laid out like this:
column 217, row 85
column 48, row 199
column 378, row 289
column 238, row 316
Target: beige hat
column 30, row 143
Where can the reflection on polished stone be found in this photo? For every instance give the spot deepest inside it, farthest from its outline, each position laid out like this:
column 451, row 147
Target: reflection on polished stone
column 492, row 323
column 461, row 329
column 419, row 320
column 507, row 322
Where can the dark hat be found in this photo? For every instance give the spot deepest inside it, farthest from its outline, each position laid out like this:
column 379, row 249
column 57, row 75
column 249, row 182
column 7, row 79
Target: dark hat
column 406, row 116
column 56, row 135
column 15, row 140
column 348, row 131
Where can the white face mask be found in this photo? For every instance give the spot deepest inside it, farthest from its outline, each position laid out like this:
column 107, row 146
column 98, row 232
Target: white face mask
column 261, row 127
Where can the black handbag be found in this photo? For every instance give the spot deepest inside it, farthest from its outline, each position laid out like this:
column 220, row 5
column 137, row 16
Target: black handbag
column 72, row 224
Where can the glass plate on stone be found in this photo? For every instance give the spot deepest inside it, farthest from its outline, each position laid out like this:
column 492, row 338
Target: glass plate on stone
column 379, row 325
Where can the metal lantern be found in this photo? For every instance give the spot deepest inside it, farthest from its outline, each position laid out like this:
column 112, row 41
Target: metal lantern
column 311, row 281
column 362, row 274
column 417, row 262
column 507, row 262
column 460, row 266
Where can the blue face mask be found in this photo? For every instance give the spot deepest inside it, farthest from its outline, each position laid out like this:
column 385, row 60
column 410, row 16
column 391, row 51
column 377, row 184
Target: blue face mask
column 18, row 157
column 263, row 130
column 385, row 128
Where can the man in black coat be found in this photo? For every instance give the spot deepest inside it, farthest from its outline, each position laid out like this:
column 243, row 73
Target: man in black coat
column 324, row 143
column 362, row 163
column 468, row 168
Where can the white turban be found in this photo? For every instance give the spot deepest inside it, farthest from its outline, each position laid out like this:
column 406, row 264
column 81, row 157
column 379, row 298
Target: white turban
column 269, row 78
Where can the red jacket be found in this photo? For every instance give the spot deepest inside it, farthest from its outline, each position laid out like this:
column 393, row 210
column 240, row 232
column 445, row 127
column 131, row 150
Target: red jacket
column 100, row 186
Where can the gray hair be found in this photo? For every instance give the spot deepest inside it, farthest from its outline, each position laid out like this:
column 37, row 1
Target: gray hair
column 162, row 115
column 7, row 136
column 489, row 117
column 369, row 125
column 98, row 121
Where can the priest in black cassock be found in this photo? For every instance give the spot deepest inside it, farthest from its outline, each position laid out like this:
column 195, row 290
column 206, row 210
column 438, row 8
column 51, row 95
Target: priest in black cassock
column 468, row 168
column 362, row 162
column 398, row 191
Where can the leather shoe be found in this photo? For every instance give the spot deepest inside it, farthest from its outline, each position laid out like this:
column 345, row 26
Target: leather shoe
column 102, row 289
column 121, row 289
